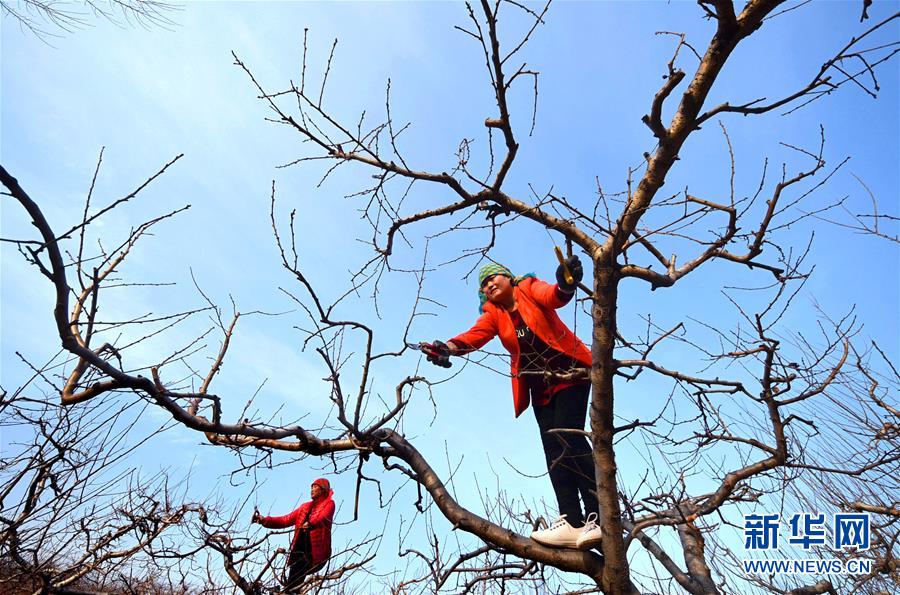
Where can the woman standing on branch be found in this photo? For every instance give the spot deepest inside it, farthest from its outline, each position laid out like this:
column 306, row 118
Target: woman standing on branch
column 311, row 543
column 550, row 367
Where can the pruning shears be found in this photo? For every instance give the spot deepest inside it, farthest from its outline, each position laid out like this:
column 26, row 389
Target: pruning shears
column 428, row 349
column 562, row 261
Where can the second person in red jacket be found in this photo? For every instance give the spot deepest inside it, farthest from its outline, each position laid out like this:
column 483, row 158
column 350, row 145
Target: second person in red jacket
column 311, row 542
column 549, row 367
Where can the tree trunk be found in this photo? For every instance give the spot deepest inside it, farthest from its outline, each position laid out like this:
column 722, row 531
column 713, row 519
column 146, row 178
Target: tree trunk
column 615, row 572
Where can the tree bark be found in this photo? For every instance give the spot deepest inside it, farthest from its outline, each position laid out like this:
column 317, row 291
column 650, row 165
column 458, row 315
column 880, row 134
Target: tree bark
column 616, row 578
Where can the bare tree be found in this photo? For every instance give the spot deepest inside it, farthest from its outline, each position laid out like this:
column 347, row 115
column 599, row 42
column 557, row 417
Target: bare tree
column 46, row 19
column 764, row 410
column 73, row 515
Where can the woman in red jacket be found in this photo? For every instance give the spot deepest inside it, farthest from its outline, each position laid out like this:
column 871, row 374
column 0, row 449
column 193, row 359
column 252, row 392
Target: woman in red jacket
column 311, row 543
column 550, row 368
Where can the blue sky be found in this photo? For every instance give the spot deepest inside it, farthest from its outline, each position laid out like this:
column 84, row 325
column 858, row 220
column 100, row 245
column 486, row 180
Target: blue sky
column 150, row 94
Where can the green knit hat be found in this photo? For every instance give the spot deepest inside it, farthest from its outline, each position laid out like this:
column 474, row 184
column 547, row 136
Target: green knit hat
column 495, row 269
column 490, row 270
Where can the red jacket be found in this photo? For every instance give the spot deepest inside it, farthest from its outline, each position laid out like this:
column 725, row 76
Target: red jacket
column 320, row 519
column 537, row 303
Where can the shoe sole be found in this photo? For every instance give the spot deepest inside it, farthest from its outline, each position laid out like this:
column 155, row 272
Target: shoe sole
column 570, row 545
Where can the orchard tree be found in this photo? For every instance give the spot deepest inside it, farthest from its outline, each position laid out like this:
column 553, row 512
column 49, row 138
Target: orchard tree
column 49, row 19
column 74, row 517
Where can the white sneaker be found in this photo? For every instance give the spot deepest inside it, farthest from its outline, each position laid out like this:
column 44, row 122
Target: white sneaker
column 560, row 534
column 591, row 534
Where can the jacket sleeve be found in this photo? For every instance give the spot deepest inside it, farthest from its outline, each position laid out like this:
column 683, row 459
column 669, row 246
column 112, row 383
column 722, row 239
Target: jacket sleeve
column 280, row 522
column 484, row 329
column 322, row 515
column 548, row 295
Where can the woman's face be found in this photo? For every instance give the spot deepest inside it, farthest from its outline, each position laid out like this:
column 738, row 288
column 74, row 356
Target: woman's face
column 315, row 489
column 498, row 289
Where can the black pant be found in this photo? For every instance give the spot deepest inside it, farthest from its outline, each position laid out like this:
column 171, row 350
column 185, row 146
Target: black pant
column 300, row 563
column 569, row 459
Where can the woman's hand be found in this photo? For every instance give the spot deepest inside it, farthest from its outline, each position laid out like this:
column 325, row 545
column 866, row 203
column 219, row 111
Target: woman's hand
column 438, row 353
column 575, row 269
